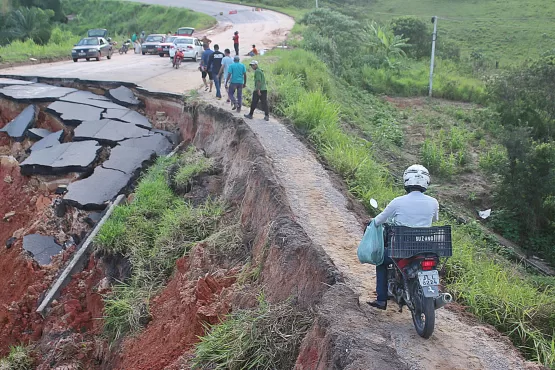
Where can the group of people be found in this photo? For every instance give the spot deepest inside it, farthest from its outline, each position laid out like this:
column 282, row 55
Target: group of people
column 221, row 67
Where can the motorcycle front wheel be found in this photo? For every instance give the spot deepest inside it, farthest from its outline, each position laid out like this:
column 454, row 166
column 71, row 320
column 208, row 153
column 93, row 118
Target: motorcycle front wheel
column 423, row 315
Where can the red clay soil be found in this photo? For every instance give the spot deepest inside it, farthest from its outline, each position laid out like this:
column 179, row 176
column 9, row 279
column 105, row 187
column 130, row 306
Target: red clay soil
column 21, row 278
column 193, row 297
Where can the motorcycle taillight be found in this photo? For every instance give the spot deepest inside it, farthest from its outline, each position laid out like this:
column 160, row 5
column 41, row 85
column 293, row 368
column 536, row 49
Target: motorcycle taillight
column 428, row 265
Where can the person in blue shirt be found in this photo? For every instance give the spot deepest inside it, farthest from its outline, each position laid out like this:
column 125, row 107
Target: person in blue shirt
column 237, row 76
column 204, row 63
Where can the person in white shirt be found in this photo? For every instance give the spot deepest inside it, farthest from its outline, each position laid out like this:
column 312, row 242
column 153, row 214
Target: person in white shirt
column 415, row 209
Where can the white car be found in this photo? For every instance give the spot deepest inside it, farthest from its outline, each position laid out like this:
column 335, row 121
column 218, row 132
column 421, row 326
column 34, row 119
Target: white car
column 191, row 47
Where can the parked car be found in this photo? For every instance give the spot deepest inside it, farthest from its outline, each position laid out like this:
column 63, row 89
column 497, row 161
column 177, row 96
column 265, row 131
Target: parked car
column 185, row 31
column 91, row 47
column 164, row 48
column 151, row 43
column 98, row 32
column 191, row 47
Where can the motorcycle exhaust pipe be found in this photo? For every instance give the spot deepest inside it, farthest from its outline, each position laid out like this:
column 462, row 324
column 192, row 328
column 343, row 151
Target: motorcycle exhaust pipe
column 442, row 300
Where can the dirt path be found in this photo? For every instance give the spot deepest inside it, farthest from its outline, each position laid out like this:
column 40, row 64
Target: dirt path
column 322, row 211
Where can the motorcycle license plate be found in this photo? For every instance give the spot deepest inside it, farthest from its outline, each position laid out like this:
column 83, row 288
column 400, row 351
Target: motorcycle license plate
column 428, row 278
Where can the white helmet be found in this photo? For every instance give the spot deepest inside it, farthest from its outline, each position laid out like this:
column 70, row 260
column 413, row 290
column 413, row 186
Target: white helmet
column 416, row 177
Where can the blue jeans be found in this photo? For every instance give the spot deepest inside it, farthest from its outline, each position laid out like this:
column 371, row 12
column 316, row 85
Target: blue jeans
column 381, row 278
column 239, row 88
column 218, row 84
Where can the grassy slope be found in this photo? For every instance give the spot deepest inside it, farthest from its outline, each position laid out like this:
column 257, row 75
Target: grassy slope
column 124, row 18
column 504, row 30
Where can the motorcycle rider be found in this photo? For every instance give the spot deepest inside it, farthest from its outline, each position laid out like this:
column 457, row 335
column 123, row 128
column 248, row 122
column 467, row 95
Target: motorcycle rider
column 415, row 209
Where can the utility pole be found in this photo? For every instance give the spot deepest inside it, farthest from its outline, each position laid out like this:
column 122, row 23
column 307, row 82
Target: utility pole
column 316, row 4
column 434, row 38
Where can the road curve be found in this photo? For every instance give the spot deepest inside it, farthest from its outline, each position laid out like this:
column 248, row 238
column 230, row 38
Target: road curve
column 266, row 29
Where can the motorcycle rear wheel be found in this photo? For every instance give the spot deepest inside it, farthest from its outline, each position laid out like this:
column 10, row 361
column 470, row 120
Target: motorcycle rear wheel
column 423, row 315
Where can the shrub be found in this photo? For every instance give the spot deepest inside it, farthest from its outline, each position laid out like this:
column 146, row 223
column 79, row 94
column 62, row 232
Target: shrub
column 18, row 359
column 417, row 32
column 264, row 338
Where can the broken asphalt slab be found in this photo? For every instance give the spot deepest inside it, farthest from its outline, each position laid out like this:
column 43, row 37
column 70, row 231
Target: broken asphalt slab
column 124, row 96
column 35, row 92
column 17, row 128
column 60, row 159
column 108, row 131
column 73, row 114
column 51, row 140
column 128, row 160
column 88, row 98
column 94, row 192
column 41, row 247
column 129, row 116
column 158, row 143
column 38, row 133
column 11, row 82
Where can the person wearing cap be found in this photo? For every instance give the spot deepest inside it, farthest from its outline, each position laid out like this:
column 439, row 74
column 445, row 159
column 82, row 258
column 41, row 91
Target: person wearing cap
column 260, row 92
column 237, row 76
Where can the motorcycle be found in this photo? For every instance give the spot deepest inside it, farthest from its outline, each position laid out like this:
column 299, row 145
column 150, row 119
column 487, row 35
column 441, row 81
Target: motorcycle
column 125, row 47
column 413, row 277
column 177, row 58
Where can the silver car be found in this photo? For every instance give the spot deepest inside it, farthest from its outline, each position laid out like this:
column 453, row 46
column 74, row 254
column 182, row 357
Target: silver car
column 91, row 47
column 151, row 43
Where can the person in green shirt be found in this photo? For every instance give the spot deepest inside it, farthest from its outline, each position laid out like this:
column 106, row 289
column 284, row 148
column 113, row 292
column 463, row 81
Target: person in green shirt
column 260, row 92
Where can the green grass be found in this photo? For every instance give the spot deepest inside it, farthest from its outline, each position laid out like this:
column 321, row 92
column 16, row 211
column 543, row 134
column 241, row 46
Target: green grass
column 153, row 231
column 18, row 359
column 59, row 47
column 446, row 152
column 265, row 338
column 125, row 17
column 412, row 79
column 515, row 303
column 509, row 31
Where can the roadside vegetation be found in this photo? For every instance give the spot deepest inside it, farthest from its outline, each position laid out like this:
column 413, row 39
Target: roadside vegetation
column 48, row 29
column 152, row 232
column 18, row 359
column 267, row 337
column 359, row 135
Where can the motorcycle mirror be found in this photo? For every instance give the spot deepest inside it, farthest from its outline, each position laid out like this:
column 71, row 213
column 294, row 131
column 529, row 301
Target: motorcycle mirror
column 374, row 203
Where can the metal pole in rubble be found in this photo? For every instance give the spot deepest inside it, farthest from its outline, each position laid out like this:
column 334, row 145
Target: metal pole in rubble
column 434, row 37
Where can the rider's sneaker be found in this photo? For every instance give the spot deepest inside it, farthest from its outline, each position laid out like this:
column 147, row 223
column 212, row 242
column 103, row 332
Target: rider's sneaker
column 266, row 118
column 378, row 304
column 249, row 116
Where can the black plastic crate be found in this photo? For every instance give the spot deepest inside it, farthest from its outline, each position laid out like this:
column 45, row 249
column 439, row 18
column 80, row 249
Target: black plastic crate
column 405, row 242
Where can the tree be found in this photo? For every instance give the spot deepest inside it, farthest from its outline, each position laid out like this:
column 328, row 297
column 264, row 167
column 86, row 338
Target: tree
column 416, row 31
column 30, row 23
column 382, row 41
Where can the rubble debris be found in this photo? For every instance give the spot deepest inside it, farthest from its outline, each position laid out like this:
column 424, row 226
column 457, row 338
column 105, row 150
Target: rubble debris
column 129, row 116
column 35, row 92
column 18, row 127
column 9, row 215
column 129, row 160
column 51, row 140
column 158, row 143
column 41, row 247
column 61, row 159
column 88, row 98
column 38, row 133
column 124, row 96
column 108, row 132
column 10, row 242
column 94, row 192
column 73, row 114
